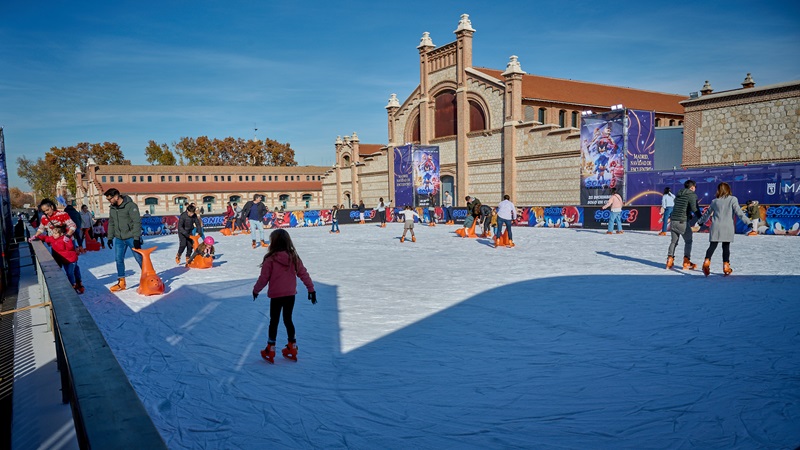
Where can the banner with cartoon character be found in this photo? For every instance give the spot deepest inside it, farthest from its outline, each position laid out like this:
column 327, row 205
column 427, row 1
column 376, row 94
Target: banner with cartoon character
column 780, row 220
column 403, row 175
column 602, row 159
column 426, row 175
column 560, row 217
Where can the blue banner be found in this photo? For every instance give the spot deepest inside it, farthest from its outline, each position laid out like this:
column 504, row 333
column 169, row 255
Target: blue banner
column 426, row 175
column 403, row 176
column 602, row 161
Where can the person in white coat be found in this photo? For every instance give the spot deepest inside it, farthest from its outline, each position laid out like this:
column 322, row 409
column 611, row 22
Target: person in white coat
column 721, row 212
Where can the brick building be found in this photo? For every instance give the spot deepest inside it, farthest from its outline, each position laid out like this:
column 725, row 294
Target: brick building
column 497, row 131
column 166, row 189
column 753, row 125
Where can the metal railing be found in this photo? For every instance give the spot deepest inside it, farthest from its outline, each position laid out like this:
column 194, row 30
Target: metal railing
column 106, row 410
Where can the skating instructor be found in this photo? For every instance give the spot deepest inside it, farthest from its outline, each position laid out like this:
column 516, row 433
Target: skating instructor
column 124, row 231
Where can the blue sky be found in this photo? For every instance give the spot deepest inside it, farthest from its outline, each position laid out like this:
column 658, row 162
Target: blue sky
column 305, row 72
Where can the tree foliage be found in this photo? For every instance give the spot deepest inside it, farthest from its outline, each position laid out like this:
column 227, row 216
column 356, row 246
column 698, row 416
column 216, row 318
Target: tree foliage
column 159, row 154
column 43, row 174
column 19, row 199
column 230, row 151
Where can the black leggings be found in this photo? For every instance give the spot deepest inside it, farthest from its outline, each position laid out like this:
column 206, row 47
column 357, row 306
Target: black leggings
column 726, row 251
column 185, row 244
column 275, row 306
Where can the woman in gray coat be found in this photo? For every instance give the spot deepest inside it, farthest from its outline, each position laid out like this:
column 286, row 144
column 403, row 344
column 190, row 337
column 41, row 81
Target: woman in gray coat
column 721, row 213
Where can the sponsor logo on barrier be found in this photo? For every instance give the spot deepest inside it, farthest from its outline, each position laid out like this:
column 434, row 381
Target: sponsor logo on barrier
column 628, row 215
column 213, row 221
column 553, row 211
column 771, row 188
column 787, row 187
column 459, row 213
column 783, row 211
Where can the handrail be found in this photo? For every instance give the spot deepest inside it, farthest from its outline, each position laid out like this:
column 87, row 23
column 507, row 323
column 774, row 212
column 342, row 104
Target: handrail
column 106, row 410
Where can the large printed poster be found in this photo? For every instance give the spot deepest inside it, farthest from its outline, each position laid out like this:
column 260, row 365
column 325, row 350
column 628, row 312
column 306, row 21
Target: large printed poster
column 641, row 139
column 403, row 176
column 602, row 161
column 426, row 174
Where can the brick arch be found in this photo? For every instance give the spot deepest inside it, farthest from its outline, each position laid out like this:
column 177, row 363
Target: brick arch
column 441, row 86
column 411, row 124
column 349, row 157
column 484, row 105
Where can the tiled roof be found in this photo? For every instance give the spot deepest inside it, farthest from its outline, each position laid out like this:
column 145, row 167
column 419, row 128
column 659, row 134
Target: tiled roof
column 592, row 94
column 213, row 170
column 370, row 149
column 209, row 188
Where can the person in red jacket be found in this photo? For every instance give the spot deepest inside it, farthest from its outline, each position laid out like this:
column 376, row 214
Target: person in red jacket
column 280, row 269
column 64, row 254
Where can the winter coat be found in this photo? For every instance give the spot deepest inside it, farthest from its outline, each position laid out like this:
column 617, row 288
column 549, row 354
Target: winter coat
column 75, row 215
column 753, row 211
column 63, row 248
column 448, row 201
column 260, row 209
column 56, row 219
column 506, row 210
column 86, row 219
column 187, row 223
column 229, row 212
column 281, row 276
column 668, row 201
column 361, row 208
column 685, row 205
column 124, row 221
column 721, row 212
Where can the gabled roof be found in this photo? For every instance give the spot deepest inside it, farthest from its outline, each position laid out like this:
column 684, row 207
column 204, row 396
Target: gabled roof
column 559, row 90
column 370, row 149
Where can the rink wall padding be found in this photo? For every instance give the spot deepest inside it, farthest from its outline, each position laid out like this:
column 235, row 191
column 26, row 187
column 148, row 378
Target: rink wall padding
column 775, row 219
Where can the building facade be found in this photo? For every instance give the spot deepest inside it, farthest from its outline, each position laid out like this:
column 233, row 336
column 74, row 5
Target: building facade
column 168, row 189
column 751, row 125
column 498, row 132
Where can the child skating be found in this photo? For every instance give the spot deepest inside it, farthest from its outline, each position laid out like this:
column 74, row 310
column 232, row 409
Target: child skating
column 334, row 220
column 408, row 223
column 279, row 269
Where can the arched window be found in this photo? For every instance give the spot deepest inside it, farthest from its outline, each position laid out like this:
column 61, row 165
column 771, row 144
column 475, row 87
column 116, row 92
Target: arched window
column 235, row 198
column 181, row 201
column 658, row 122
column 415, row 131
column 284, row 199
column 562, row 118
column 680, row 122
column 346, row 161
column 307, row 200
column 671, row 123
column 446, row 115
column 477, row 119
column 530, row 114
column 574, row 119
column 542, row 113
column 209, row 201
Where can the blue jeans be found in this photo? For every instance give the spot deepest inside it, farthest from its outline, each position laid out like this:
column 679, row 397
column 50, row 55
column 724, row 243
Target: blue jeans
column 667, row 212
column 507, row 223
column 334, row 226
column 446, row 214
column 120, row 247
column 256, row 225
column 70, row 269
column 616, row 217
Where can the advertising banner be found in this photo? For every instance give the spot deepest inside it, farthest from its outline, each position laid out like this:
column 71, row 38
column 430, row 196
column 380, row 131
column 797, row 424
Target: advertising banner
column 633, row 218
column 769, row 184
column 403, row 175
column 641, row 141
column 562, row 217
column 5, row 199
column 426, row 175
column 781, row 220
column 601, row 156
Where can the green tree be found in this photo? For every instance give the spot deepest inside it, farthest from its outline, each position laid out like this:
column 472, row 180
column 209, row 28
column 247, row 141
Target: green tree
column 159, row 154
column 233, row 152
column 43, row 174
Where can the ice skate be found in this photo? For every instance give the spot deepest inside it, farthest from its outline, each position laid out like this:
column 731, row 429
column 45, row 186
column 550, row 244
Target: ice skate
column 752, row 233
column 619, row 232
column 264, row 244
column 707, row 267
column 402, row 239
column 670, row 262
column 687, row 264
column 290, row 351
column 413, row 239
column 254, row 244
column 120, row 286
column 510, row 244
column 177, row 259
column 663, row 233
column 726, row 269
column 269, row 353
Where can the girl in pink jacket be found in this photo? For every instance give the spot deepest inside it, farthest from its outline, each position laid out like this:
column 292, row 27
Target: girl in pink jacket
column 280, row 269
